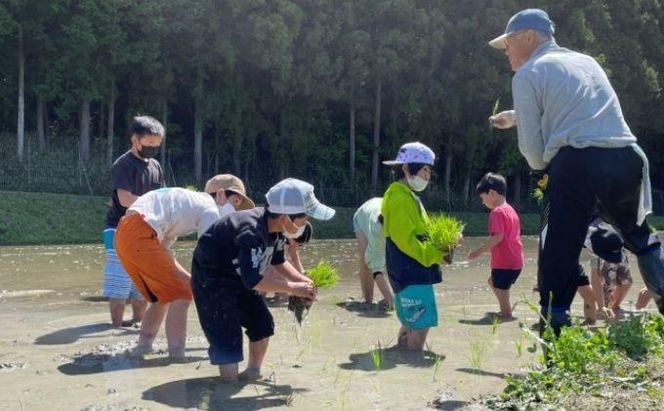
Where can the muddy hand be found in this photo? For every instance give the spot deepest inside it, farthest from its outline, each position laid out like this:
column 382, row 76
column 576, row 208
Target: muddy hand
column 304, row 290
column 503, row 120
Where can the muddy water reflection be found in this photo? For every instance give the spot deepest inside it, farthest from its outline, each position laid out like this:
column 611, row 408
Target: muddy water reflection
column 56, row 347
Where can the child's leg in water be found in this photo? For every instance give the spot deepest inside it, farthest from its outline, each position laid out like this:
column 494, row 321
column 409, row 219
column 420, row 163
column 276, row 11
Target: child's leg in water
column 503, row 297
column 589, row 303
column 412, row 339
column 384, row 288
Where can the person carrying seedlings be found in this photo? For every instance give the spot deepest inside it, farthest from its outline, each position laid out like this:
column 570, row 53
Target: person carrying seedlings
column 133, row 174
column 412, row 262
column 143, row 242
column 570, row 126
column 371, row 245
column 504, row 240
column 226, row 273
column 610, row 273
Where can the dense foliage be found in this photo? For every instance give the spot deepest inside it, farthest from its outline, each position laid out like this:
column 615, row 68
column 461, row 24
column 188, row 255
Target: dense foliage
column 319, row 89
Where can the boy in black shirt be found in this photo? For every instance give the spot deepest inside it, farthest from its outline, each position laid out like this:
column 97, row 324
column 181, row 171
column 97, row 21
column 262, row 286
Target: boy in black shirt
column 133, row 174
column 227, row 268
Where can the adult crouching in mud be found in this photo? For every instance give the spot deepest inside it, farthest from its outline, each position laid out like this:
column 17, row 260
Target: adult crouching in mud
column 412, row 263
column 571, row 127
column 227, row 269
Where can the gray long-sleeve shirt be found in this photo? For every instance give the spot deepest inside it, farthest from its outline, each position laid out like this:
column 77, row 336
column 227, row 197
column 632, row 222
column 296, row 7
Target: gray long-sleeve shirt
column 564, row 98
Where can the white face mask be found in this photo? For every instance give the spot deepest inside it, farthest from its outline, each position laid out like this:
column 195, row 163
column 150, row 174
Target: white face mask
column 298, row 233
column 226, row 208
column 417, row 183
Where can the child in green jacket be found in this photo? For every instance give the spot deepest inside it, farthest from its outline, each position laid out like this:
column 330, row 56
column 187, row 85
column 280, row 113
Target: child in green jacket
column 412, row 263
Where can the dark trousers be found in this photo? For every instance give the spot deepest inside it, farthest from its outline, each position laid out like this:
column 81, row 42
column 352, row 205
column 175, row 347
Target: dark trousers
column 581, row 182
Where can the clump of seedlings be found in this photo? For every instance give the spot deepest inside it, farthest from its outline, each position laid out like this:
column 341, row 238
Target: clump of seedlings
column 445, row 233
column 324, row 276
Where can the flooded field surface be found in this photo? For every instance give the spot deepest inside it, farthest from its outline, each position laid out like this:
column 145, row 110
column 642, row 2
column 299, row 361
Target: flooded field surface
column 58, row 351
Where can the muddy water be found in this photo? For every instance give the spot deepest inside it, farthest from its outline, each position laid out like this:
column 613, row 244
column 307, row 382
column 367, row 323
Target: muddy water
column 57, row 350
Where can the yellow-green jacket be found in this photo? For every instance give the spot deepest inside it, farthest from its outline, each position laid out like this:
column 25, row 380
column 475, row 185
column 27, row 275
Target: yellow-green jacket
column 410, row 260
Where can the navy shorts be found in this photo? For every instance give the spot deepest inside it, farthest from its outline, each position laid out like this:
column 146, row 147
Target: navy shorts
column 503, row 279
column 224, row 307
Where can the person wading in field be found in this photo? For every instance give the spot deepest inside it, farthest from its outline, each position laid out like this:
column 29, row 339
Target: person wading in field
column 571, row 127
column 133, row 174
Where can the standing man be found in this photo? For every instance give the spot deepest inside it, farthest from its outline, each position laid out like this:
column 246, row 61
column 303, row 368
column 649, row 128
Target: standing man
column 133, row 174
column 571, row 127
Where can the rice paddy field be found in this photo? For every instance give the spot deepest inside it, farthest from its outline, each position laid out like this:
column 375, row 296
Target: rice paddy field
column 58, row 351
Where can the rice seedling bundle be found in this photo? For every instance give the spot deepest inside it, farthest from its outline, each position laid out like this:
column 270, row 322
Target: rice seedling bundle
column 324, row 276
column 444, row 232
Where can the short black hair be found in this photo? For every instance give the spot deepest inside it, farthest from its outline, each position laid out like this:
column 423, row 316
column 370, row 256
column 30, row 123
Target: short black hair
column 413, row 168
column 492, row 181
column 143, row 126
column 270, row 214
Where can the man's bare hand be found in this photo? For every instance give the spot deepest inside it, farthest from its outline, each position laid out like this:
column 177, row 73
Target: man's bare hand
column 503, row 120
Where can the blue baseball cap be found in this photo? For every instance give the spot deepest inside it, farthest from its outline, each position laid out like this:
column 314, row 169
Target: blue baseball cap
column 528, row 19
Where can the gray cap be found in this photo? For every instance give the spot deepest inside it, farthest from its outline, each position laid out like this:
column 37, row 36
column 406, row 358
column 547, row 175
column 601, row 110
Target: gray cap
column 293, row 196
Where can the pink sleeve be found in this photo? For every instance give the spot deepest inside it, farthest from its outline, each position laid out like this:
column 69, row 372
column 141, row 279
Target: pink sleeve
column 496, row 223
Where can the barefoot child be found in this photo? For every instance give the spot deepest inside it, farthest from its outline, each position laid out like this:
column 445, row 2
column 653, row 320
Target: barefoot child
column 133, row 174
column 504, row 240
column 143, row 242
column 611, row 275
column 226, row 273
column 412, row 262
column 371, row 245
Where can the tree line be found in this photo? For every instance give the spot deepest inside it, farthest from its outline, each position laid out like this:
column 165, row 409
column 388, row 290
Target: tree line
column 321, row 89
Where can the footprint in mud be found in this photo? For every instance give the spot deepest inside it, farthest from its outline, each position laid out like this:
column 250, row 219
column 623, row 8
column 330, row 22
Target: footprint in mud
column 12, row 366
column 117, row 357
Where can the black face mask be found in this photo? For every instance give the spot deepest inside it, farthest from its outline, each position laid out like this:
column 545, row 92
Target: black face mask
column 148, row 151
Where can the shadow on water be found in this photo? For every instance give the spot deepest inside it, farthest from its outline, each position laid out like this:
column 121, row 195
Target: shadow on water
column 95, row 299
column 388, row 358
column 99, row 363
column 211, row 394
column 488, row 319
column 449, row 405
column 362, row 310
column 483, row 373
column 72, row 334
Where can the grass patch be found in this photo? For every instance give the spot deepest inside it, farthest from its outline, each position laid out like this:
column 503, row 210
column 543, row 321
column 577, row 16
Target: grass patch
column 45, row 218
column 617, row 366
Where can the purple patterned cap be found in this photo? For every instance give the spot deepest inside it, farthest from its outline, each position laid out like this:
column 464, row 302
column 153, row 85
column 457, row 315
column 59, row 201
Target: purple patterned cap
column 415, row 152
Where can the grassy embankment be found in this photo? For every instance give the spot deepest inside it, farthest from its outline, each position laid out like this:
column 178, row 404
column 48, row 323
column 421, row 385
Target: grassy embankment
column 44, row 218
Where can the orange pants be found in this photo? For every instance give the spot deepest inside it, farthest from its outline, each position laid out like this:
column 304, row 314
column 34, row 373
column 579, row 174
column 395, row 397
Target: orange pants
column 151, row 268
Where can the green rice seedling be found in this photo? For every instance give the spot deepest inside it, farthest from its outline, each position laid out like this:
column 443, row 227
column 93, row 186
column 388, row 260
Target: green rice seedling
column 494, row 326
column 437, row 361
column 376, row 356
column 476, row 354
column 495, row 107
column 519, row 348
column 323, row 275
column 444, row 232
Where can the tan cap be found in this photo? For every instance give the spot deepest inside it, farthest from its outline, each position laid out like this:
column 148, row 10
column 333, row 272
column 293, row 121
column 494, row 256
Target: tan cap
column 229, row 182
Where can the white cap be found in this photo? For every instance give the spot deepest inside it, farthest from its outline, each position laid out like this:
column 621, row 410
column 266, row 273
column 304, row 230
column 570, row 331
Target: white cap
column 415, row 152
column 293, row 196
